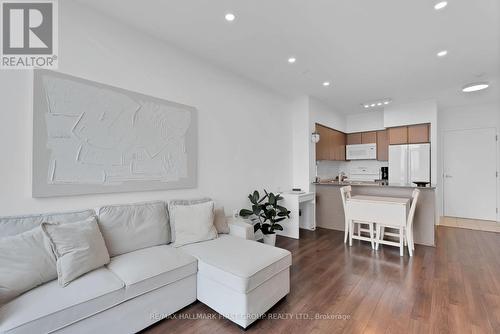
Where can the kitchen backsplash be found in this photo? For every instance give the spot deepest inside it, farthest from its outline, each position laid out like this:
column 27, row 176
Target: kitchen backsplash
column 330, row 169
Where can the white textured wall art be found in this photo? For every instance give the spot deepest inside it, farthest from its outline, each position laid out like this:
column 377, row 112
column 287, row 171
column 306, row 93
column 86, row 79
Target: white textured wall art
column 94, row 138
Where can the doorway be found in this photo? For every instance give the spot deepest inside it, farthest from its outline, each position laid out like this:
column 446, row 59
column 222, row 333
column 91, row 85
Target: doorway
column 470, row 174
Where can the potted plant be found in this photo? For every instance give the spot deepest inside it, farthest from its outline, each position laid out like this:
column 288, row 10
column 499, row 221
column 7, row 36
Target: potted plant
column 268, row 214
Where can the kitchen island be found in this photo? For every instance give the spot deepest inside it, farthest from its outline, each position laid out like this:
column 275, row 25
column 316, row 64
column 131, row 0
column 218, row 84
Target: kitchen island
column 330, row 213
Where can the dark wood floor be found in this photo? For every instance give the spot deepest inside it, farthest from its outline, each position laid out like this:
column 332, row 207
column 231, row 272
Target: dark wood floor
column 453, row 288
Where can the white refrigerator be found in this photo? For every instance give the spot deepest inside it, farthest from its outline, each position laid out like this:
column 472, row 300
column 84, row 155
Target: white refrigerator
column 409, row 163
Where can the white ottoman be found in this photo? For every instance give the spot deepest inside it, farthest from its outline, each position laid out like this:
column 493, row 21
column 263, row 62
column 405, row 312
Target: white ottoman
column 240, row 279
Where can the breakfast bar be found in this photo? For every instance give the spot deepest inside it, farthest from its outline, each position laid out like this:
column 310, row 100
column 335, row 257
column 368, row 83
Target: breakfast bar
column 330, row 213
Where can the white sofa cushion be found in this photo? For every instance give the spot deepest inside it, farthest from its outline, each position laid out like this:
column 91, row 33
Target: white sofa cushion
column 239, row 264
column 178, row 202
column 26, row 261
column 130, row 227
column 150, row 268
column 50, row 306
column 192, row 223
column 220, row 221
column 79, row 248
column 18, row 224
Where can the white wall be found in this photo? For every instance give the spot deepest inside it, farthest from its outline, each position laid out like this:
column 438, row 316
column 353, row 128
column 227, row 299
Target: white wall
column 366, row 121
column 245, row 132
column 321, row 113
column 299, row 109
column 470, row 117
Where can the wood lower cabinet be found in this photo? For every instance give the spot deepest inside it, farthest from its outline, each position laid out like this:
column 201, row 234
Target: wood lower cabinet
column 398, row 135
column 331, row 145
column 382, row 146
column 354, row 138
column 418, row 134
column 369, row 137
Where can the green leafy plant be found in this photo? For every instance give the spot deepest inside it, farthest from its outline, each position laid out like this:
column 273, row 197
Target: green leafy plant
column 268, row 212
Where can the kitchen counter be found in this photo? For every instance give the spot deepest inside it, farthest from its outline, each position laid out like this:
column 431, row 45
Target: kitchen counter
column 330, row 212
column 371, row 184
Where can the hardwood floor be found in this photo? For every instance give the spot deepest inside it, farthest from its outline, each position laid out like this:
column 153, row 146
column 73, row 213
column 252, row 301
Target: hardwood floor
column 453, row 288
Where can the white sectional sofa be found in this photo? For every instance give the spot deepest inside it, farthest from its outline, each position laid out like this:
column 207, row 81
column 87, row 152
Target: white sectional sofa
column 147, row 279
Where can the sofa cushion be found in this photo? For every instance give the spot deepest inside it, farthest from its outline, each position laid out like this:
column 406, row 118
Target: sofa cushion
column 18, row 224
column 150, row 268
column 130, row 227
column 50, row 306
column 79, row 248
column 220, row 221
column 187, row 202
column 193, row 223
column 239, row 264
column 26, row 261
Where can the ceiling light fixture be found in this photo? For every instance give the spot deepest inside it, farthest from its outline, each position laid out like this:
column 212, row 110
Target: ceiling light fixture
column 440, row 5
column 292, row 60
column 326, row 83
column 230, row 17
column 376, row 104
column 474, row 87
column 442, row 53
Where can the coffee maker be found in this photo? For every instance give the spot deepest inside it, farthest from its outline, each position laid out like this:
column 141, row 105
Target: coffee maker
column 384, row 173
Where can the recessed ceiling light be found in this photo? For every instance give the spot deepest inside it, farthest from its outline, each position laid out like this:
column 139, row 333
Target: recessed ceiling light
column 366, row 106
column 326, row 83
column 372, row 105
column 474, row 87
column 379, row 104
column 442, row 53
column 386, row 102
column 230, row 17
column 440, row 5
column 292, row 60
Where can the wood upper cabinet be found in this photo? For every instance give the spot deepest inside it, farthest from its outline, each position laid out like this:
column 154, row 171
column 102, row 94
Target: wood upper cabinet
column 331, row 145
column 369, row 137
column 382, row 145
column 354, row 138
column 323, row 146
column 398, row 135
column 338, row 140
column 418, row 134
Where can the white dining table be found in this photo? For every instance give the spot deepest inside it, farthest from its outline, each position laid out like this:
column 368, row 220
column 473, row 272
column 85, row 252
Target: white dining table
column 378, row 209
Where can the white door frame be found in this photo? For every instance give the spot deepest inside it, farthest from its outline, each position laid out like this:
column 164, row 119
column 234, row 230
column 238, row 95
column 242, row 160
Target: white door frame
column 441, row 176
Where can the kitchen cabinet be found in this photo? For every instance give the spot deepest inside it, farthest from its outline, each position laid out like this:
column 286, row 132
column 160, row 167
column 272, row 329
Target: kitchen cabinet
column 338, row 143
column 382, row 146
column 331, row 145
column 354, row 138
column 418, row 134
column 323, row 146
column 369, row 137
column 398, row 135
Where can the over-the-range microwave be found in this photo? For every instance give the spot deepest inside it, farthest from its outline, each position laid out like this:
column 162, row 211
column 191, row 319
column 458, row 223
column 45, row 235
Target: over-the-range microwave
column 361, row 152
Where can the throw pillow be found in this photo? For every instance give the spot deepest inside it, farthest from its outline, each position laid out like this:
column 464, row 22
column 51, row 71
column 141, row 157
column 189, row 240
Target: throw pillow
column 79, row 248
column 26, row 261
column 193, row 223
column 220, row 221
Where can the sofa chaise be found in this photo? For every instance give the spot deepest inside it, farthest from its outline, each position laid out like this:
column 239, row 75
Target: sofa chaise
column 147, row 279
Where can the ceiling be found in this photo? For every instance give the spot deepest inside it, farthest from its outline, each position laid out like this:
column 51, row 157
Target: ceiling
column 367, row 49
